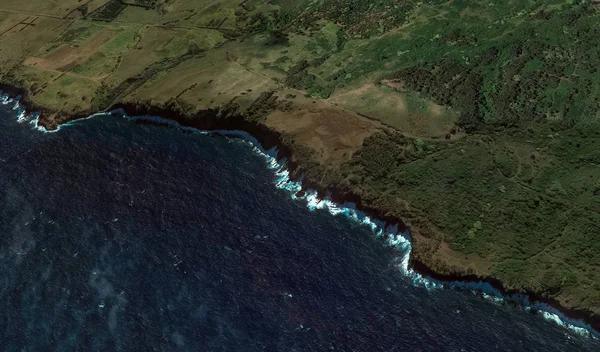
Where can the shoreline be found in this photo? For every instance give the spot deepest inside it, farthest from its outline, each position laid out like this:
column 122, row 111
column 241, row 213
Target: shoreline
column 264, row 138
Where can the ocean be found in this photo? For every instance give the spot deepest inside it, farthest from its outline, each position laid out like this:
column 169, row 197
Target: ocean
column 120, row 236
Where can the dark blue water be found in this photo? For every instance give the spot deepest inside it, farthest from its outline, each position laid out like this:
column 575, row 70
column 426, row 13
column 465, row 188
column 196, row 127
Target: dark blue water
column 118, row 236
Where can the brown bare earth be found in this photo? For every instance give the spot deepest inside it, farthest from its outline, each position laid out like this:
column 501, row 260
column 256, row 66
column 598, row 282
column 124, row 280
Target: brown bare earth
column 332, row 133
column 66, row 57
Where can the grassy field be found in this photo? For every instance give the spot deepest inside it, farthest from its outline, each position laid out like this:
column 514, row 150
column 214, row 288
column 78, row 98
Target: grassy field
column 475, row 122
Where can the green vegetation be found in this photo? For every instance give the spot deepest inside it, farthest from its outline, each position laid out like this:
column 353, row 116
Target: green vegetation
column 121, row 43
column 477, row 122
column 496, row 64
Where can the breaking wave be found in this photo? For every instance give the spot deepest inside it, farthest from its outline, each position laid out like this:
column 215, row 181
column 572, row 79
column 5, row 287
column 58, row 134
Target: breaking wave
column 388, row 233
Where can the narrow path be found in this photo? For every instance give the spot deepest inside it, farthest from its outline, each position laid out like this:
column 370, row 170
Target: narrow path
column 165, row 26
column 39, row 14
column 208, row 6
column 519, row 167
column 302, row 92
column 72, row 74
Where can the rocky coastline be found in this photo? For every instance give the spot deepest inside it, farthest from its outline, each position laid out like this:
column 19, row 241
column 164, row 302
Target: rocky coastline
column 213, row 119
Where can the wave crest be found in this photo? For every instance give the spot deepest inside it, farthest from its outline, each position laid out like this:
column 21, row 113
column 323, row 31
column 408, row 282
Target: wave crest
column 387, row 232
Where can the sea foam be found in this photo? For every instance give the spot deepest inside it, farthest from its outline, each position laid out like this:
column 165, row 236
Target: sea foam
column 388, row 233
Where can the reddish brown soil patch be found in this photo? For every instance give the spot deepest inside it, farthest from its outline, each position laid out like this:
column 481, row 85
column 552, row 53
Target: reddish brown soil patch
column 332, row 133
column 66, row 57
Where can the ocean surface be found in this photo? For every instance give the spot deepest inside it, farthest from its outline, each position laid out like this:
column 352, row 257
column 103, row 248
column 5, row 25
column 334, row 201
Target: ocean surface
column 117, row 236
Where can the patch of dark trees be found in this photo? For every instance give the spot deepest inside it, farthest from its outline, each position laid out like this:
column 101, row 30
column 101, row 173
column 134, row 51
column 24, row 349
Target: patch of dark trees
column 108, row 11
column 449, row 83
column 504, row 91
